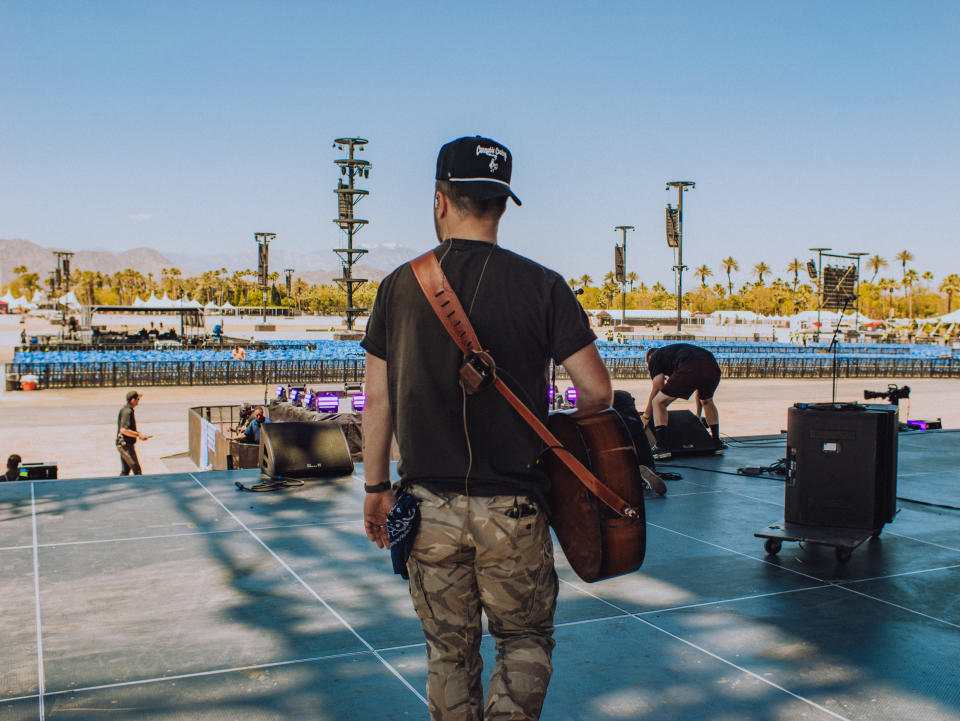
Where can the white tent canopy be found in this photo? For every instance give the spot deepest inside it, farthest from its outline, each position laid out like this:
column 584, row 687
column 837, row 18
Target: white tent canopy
column 953, row 317
column 138, row 302
column 70, row 300
column 21, row 304
column 743, row 316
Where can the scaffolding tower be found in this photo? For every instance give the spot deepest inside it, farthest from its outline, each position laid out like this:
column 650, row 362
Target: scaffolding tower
column 348, row 195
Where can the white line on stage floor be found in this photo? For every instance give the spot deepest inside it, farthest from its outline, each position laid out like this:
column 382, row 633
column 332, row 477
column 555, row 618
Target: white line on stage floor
column 694, row 646
column 317, row 596
column 41, row 683
column 834, row 584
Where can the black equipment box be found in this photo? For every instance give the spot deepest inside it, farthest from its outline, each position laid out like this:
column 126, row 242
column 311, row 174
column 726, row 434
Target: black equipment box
column 38, row 471
column 841, row 465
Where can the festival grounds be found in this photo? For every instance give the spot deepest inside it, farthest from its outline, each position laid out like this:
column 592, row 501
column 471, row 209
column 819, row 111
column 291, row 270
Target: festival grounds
column 76, row 428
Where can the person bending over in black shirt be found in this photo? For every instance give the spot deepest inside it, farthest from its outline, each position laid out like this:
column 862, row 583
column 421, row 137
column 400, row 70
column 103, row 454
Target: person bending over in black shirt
column 677, row 371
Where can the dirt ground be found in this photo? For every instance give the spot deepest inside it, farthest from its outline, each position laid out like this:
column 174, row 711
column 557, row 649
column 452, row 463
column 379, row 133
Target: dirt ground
column 76, row 428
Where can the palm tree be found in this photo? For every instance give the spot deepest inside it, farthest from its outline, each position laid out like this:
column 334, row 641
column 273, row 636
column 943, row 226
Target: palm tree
column 729, row 264
column 704, row 272
column 795, row 266
column 888, row 285
column 658, row 288
column 909, row 279
column 759, row 269
column 904, row 256
column 875, row 263
column 585, row 280
column 950, row 285
column 632, row 278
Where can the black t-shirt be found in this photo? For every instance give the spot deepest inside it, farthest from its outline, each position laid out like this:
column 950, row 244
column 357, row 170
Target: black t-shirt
column 126, row 419
column 667, row 359
column 524, row 314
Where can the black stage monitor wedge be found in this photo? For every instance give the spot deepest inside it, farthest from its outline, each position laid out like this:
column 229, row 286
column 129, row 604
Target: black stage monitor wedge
column 38, row 471
column 304, row 450
column 686, row 435
column 841, row 465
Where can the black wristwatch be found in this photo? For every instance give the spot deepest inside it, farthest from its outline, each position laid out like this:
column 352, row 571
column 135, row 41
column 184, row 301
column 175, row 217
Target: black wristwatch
column 379, row 488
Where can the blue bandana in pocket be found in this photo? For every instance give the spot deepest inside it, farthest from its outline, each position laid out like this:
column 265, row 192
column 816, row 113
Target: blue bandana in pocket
column 403, row 521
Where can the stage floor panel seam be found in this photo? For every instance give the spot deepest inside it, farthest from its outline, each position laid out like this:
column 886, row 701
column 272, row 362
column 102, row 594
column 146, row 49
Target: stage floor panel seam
column 41, row 680
column 920, row 540
column 835, row 584
column 702, row 650
column 194, row 674
column 393, row 670
column 193, row 534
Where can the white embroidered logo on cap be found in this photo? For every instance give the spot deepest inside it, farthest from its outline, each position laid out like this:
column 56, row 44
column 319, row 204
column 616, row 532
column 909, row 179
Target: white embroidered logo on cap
column 494, row 152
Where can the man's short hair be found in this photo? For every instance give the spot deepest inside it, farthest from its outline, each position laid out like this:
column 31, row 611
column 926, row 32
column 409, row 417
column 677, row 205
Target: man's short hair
column 13, row 462
column 491, row 208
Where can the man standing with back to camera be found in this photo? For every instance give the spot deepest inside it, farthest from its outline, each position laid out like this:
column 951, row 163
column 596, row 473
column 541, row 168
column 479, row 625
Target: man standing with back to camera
column 471, row 460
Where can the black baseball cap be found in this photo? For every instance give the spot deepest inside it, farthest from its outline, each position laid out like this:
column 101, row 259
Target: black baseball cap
column 480, row 167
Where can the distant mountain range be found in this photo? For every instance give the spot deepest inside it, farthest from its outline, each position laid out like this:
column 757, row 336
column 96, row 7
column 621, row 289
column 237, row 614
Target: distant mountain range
column 313, row 267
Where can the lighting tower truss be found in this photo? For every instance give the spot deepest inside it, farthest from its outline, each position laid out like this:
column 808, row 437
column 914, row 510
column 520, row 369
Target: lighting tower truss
column 348, row 195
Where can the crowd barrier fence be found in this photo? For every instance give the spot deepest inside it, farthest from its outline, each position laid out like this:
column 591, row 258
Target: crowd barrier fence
column 280, row 372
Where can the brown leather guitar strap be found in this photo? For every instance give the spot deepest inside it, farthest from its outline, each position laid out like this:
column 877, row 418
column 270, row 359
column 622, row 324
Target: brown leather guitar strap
column 479, row 371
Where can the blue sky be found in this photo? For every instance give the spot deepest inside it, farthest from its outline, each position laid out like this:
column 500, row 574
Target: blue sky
column 188, row 126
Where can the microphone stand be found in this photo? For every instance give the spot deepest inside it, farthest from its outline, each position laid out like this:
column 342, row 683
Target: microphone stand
column 557, row 402
column 834, row 346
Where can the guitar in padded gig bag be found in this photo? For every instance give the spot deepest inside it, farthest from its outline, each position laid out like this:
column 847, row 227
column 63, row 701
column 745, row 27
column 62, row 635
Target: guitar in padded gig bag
column 596, row 490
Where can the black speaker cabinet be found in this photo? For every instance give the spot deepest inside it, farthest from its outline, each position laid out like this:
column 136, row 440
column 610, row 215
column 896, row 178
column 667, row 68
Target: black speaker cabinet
column 841, row 465
column 304, row 450
column 685, row 435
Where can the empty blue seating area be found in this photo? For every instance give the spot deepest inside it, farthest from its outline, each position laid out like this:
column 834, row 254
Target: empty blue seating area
column 319, row 361
column 279, row 351
column 743, row 359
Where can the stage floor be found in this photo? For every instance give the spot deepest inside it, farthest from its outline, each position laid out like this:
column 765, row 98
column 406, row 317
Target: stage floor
column 178, row 597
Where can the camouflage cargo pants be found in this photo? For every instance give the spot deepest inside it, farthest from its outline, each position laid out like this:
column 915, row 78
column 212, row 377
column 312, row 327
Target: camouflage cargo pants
column 493, row 554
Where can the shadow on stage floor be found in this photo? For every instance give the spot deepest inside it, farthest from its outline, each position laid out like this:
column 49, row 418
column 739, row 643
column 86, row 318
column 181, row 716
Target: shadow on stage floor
column 176, row 596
